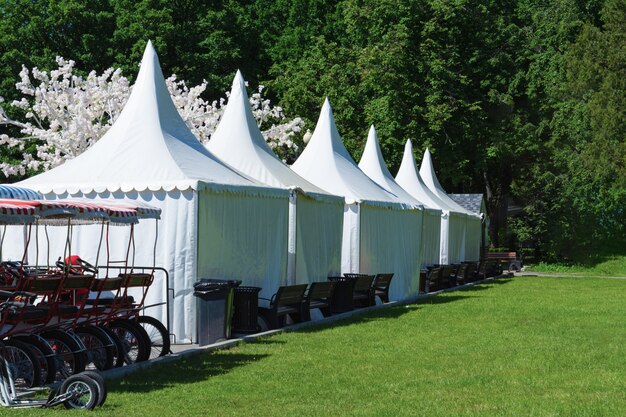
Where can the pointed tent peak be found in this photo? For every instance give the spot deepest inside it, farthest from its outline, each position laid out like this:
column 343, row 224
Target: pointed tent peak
column 239, row 83
column 411, row 181
column 238, row 141
column 408, row 160
column 372, row 136
column 427, row 172
column 408, row 148
column 373, row 165
column 372, row 162
column 326, row 163
column 237, row 127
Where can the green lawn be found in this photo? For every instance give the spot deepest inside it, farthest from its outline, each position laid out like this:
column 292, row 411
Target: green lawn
column 526, row 346
column 597, row 265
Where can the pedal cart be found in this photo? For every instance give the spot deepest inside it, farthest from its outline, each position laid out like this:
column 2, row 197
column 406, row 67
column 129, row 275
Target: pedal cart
column 50, row 329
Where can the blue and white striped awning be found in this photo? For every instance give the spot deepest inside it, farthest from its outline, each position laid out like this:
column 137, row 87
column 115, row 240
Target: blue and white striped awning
column 18, row 193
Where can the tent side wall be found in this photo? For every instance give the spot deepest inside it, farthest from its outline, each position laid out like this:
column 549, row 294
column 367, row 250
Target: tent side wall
column 431, row 237
column 243, row 237
column 319, row 226
column 472, row 239
column 390, row 241
column 456, row 238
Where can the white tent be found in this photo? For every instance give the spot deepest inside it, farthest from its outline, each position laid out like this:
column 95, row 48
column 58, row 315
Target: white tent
column 373, row 165
column 379, row 228
column 472, row 234
column 452, row 223
column 210, row 213
column 315, row 217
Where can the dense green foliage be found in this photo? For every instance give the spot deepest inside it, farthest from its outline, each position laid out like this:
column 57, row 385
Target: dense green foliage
column 523, row 100
column 519, row 347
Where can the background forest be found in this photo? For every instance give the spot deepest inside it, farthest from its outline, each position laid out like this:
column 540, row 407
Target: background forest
column 523, row 100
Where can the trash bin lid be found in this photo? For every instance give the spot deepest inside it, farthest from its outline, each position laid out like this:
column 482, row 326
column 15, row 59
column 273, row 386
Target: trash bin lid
column 212, row 284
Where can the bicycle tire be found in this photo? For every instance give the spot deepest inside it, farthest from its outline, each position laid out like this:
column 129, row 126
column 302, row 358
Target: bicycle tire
column 158, row 335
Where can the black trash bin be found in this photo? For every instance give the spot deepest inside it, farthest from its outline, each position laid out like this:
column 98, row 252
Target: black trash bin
column 215, row 309
column 246, row 306
column 343, row 294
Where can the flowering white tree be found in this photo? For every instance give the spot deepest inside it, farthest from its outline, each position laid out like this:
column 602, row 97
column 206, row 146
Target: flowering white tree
column 65, row 114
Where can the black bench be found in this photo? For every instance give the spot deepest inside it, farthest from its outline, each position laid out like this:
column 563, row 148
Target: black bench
column 288, row 300
column 319, row 295
column 433, row 279
column 381, row 286
column 362, row 290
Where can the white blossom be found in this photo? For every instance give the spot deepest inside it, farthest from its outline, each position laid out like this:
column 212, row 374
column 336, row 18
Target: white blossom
column 65, row 114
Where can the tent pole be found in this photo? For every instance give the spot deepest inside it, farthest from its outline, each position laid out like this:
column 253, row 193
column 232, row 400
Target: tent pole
column 291, row 239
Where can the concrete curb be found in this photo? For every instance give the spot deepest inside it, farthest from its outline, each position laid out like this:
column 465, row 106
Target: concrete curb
column 118, row 373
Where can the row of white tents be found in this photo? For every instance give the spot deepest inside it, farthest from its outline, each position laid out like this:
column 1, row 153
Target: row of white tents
column 233, row 210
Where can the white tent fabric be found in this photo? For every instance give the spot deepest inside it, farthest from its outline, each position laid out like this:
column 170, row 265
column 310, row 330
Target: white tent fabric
column 452, row 223
column 472, row 221
column 379, row 227
column 373, row 165
column 316, row 217
column 150, row 155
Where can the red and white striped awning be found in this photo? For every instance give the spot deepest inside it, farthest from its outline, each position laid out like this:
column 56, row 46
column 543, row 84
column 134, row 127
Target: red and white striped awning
column 75, row 211
column 114, row 214
column 16, row 213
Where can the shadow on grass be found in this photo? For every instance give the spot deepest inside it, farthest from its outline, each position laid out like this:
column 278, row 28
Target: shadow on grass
column 400, row 310
column 188, row 370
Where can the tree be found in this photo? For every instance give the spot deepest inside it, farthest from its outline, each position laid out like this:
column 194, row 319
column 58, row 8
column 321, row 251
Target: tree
column 65, row 114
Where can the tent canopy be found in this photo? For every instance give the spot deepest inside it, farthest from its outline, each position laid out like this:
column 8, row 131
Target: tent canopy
column 373, row 165
column 427, row 172
column 315, row 220
column 239, row 142
column 411, row 181
column 326, row 163
column 149, row 147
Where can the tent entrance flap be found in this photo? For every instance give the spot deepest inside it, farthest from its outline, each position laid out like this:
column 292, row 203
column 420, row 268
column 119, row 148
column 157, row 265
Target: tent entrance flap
column 351, row 238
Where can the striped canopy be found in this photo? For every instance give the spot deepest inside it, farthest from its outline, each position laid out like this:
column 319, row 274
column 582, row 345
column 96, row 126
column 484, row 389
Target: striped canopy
column 19, row 193
column 16, row 213
column 74, row 211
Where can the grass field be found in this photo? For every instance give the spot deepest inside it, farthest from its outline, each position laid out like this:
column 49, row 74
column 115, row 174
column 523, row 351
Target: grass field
column 527, row 346
column 599, row 265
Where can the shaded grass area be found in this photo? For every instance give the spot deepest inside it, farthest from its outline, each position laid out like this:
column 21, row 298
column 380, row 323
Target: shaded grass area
column 598, row 265
column 526, row 346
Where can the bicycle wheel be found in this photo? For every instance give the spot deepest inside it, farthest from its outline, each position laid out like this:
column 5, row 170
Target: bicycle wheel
column 84, row 390
column 135, row 341
column 48, row 362
column 118, row 351
column 98, row 345
column 102, row 394
column 158, row 335
column 70, row 354
column 23, row 364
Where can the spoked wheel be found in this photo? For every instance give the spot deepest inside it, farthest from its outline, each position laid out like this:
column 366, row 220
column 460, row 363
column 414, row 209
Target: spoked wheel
column 47, row 361
column 135, row 341
column 84, row 390
column 70, row 354
column 118, row 351
column 102, row 394
column 158, row 335
column 99, row 347
column 23, row 364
